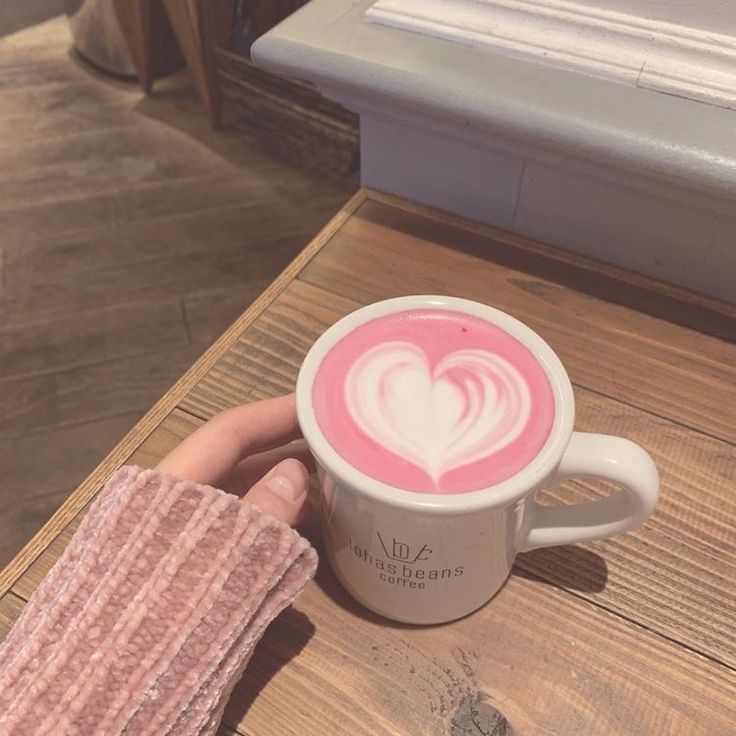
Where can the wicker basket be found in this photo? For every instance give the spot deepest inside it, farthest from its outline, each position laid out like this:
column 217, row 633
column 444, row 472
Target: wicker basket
column 291, row 118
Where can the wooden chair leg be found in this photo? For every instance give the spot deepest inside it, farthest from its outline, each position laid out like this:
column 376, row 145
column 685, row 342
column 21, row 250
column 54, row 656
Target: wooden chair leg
column 135, row 23
column 217, row 19
column 149, row 37
column 199, row 26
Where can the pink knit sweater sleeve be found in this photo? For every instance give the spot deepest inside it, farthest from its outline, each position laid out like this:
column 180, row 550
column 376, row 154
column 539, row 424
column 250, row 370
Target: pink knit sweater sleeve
column 150, row 616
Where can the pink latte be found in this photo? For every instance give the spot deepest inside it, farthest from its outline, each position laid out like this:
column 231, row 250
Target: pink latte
column 433, row 400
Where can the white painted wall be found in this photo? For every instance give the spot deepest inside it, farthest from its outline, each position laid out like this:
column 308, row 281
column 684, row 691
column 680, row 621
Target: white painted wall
column 709, row 15
column 665, row 238
column 633, row 177
column 681, row 47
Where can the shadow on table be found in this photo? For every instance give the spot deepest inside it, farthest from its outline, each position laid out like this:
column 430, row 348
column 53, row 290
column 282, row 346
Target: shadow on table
column 568, row 566
column 332, row 587
column 287, row 635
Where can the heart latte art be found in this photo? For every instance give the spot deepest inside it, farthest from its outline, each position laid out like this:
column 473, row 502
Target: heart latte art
column 469, row 406
column 433, row 400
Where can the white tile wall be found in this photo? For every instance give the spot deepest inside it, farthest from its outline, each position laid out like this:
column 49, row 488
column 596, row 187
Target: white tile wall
column 620, row 225
column 616, row 223
column 439, row 171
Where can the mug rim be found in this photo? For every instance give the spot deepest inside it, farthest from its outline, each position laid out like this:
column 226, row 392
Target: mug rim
column 505, row 492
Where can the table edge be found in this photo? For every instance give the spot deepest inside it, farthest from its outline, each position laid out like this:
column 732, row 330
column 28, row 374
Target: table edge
column 557, row 253
column 153, row 417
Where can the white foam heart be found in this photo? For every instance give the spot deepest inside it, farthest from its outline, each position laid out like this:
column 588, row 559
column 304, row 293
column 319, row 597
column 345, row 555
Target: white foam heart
column 471, row 405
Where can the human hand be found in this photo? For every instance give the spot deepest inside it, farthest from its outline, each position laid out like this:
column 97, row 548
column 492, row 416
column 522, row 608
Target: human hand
column 242, row 451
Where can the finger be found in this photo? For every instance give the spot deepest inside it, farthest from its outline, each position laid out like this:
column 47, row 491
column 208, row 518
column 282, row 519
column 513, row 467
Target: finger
column 249, row 471
column 211, row 453
column 282, row 492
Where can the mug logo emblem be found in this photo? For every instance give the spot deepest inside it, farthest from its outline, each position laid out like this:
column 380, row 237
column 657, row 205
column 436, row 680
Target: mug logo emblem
column 402, row 552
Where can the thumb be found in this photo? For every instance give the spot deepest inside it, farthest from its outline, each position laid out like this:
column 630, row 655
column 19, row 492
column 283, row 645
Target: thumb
column 282, row 492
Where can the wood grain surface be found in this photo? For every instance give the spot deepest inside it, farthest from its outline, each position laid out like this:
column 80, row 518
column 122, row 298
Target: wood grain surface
column 30, row 349
column 549, row 662
column 132, row 236
column 132, row 440
column 686, row 604
column 666, row 368
column 10, row 608
column 631, row 635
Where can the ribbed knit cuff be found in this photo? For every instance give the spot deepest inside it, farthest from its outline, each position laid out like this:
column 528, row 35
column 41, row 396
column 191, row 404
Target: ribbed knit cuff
column 149, row 617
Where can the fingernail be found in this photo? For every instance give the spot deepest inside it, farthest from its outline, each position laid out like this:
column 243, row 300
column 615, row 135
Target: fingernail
column 287, row 486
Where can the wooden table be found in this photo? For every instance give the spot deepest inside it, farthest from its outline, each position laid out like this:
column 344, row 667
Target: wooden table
column 633, row 635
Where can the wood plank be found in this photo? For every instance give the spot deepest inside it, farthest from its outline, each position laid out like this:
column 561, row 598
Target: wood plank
column 619, row 297
column 545, row 661
column 23, row 518
column 98, row 211
column 90, row 393
column 17, row 17
column 49, row 39
column 35, row 113
column 16, row 51
column 10, row 608
column 225, row 730
column 265, row 361
column 32, row 295
column 32, row 577
column 224, row 247
column 78, row 164
column 87, row 490
column 534, row 678
column 210, row 312
column 30, row 72
column 63, row 340
column 669, row 575
column 260, row 220
column 177, row 426
column 601, row 280
column 664, row 368
column 146, row 150
column 48, row 462
column 697, row 511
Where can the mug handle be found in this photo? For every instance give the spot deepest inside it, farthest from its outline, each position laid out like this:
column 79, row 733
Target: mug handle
column 596, row 456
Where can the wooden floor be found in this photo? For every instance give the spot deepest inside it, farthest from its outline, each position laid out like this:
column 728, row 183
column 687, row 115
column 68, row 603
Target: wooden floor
column 130, row 236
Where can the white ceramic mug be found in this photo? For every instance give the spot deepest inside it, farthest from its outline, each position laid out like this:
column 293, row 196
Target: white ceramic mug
column 427, row 558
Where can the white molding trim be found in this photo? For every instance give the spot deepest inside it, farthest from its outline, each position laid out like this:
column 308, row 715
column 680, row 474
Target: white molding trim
column 665, row 57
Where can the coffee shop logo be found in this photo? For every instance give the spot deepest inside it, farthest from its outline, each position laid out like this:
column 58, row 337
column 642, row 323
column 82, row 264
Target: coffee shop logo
column 402, row 552
column 401, row 564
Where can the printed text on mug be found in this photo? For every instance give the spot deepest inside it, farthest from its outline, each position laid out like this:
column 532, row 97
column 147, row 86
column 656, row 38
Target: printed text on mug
column 398, row 563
